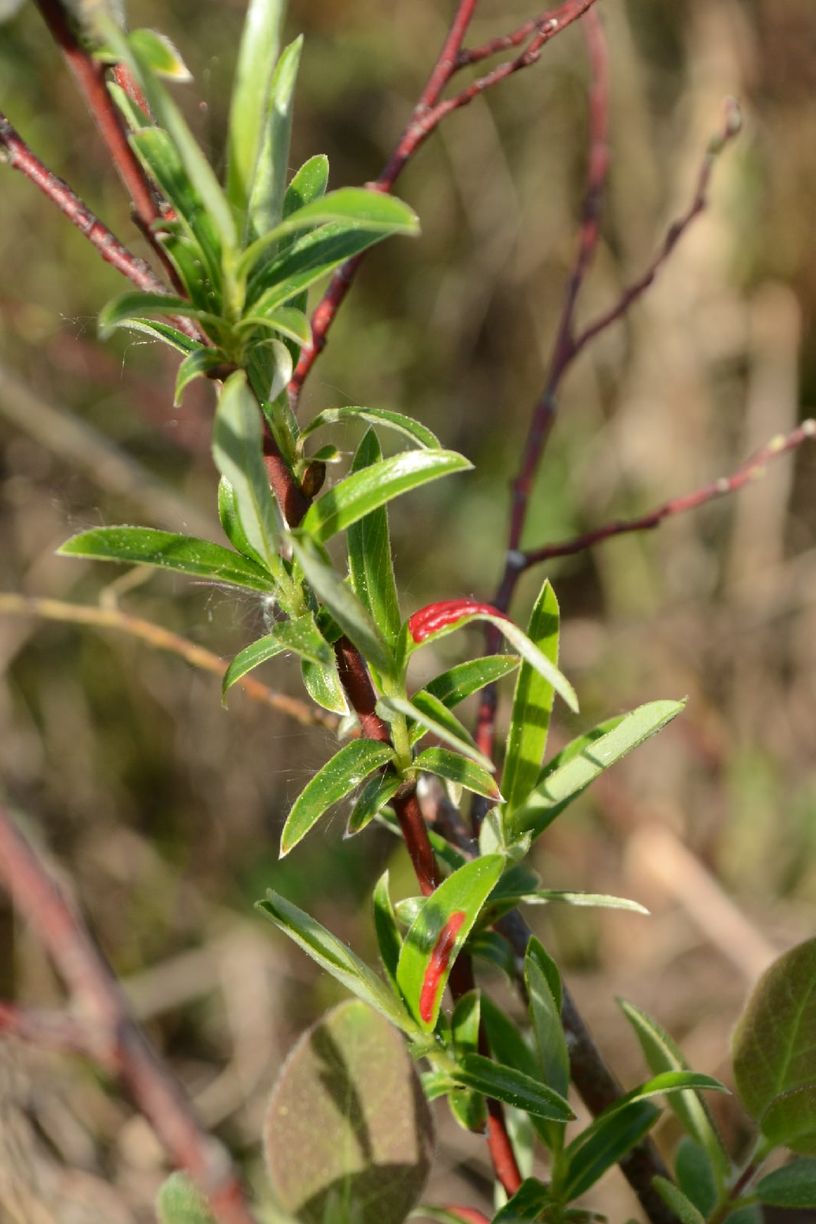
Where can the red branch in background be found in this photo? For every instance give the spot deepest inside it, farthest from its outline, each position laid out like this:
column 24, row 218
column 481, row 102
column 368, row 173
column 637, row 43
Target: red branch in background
column 104, row 1029
column 428, row 113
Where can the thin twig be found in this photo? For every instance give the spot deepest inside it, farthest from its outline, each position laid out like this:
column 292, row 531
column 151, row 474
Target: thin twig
column 160, row 638
column 428, row 113
column 117, row 1041
column 752, row 469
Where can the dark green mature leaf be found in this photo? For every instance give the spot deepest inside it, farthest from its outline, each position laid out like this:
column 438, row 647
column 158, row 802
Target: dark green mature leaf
column 166, row 550
column 602, row 1144
column 456, row 768
column 461, row 681
column 268, row 186
column 351, row 615
column 794, row 1185
column 468, row 1107
column 678, row 1202
column 372, row 799
column 389, row 940
column 562, row 785
column 527, row 1204
column 249, row 104
column 695, row 1174
column 337, row 779
column 371, row 487
column 406, row 425
column 301, row 636
column 371, row 567
column 532, row 705
column 338, row 960
column 179, row 1202
column 348, row 1135
column 436, row 936
column 663, row 1054
column 512, row 1087
column 238, row 454
column 774, row 1050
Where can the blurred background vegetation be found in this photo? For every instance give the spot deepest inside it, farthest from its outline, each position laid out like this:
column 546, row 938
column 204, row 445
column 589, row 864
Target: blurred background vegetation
column 164, row 809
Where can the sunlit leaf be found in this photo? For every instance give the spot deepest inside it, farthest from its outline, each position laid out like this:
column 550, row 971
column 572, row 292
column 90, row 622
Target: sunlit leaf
column 512, row 1087
column 196, row 365
column 455, row 768
column 300, row 636
column 266, row 191
column 334, row 781
column 249, row 104
column 440, row 723
column 532, row 706
column 405, row 425
column 461, row 681
column 371, row 568
column 372, row 799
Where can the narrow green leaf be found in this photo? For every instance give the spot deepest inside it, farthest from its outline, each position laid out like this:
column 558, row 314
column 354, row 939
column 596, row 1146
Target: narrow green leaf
column 389, row 940
column 166, row 550
column 512, row 1087
column 309, row 183
column 461, row 681
column 238, row 454
column 663, row 1054
column 337, row 779
column 436, row 936
column 160, row 55
column 440, row 723
column 164, row 332
column 257, row 55
column 371, row 568
column 562, row 785
column 774, row 1050
column 696, row 1176
column 581, row 742
column 602, row 1144
column 133, row 115
column 405, row 425
column 268, row 185
column 545, row 1018
column 198, row 364
column 353, row 618
column 130, row 307
column 532, row 705
column 676, row 1201
column 300, row 636
column 230, row 521
column 527, row 1204
column 284, row 320
column 456, row 768
column 323, row 686
column 373, row 486
column 372, row 799
column 338, row 960
column 180, row 1202
column 587, row 900
column 794, row 1185
column 468, row 1107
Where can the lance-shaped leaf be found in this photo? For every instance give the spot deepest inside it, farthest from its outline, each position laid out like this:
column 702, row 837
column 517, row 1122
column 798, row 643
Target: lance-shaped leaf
column 180, row 1202
column 376, row 485
column 532, row 705
column 774, row 1050
column 371, row 568
column 301, row 636
column 164, row 332
column 512, row 1087
column 794, row 1185
column 695, row 1175
column 249, row 105
column 440, row 722
column 131, row 307
column 332, row 955
column 337, row 779
column 527, row 1204
column 196, row 365
column 167, row 550
column 562, row 785
column 323, row 686
column 458, row 769
column 238, row 454
column 309, row 183
column 351, row 615
column 269, row 182
column 389, row 940
column 372, row 799
column 438, row 933
column 663, row 1054
column 230, row 521
column 447, row 616
column 467, row 1105
column 461, row 681
column 678, row 1202
column 352, row 207
column 284, row 321
column 405, row 425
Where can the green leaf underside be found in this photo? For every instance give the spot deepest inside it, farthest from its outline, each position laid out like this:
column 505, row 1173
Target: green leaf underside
column 545, row 1018
column 166, row 550
column 374, row 796
column 463, row 893
column 285, row 320
column 300, row 636
column 532, row 705
column 337, row 959
column 586, row 900
column 180, row 1202
column 774, row 1050
column 376, row 416
column 455, row 768
column 436, row 714
column 164, row 332
column 159, row 52
column 337, row 779
column 351, row 615
column 794, row 1185
column 196, row 365
column 323, row 686
column 562, row 785
column 371, row 568
column 695, row 1175
column 374, row 486
column 268, row 188
column 663, row 1054
column 602, row 1145
column 512, row 1087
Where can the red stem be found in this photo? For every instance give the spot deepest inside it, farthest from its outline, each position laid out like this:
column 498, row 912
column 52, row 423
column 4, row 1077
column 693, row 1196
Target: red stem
column 111, row 1035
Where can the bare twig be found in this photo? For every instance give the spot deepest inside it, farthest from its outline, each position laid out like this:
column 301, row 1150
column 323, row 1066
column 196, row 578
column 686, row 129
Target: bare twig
column 117, row 1042
column 748, row 472
column 428, row 113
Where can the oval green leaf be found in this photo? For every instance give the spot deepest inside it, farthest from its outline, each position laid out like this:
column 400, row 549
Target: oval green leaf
column 794, row 1185
column 371, row 567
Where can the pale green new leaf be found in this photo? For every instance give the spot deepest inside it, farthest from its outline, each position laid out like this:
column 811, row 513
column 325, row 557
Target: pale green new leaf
column 565, row 783
column 323, row 686
column 249, row 105
column 532, row 705
column 373, row 486
column 285, row 320
column 179, row 1201
column 160, row 55
column 371, row 568
column 376, row 416
column 268, row 186
column 167, row 550
column 301, row 636
column 338, row 778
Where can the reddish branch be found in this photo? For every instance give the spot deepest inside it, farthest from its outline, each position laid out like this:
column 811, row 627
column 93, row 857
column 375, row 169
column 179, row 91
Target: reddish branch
column 749, row 471
column 104, row 1028
column 428, row 113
